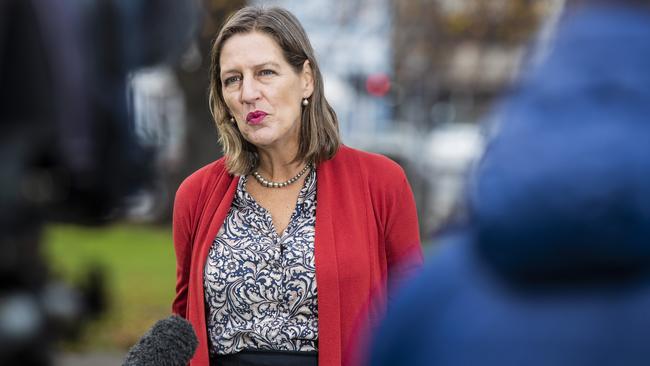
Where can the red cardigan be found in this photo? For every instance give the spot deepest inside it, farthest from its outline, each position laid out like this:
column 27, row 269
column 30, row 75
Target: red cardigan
column 366, row 230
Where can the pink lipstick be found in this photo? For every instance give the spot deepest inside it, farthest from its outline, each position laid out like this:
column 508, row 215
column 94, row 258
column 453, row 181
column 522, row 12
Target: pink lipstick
column 256, row 117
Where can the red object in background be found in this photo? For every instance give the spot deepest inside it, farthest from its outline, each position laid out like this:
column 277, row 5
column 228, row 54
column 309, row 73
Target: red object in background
column 378, row 84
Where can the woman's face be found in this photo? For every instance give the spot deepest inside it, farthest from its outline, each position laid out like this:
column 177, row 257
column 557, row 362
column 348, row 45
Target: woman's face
column 262, row 91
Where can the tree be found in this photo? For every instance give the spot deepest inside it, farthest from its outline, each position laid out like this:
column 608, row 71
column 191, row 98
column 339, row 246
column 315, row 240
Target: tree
column 458, row 49
column 200, row 146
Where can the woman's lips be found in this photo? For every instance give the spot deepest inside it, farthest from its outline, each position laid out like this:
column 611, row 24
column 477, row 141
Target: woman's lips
column 255, row 118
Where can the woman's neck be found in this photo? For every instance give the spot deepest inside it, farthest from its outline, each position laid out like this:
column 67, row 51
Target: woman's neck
column 278, row 165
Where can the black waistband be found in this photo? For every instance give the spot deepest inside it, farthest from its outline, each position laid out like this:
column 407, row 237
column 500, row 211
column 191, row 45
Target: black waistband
column 266, row 358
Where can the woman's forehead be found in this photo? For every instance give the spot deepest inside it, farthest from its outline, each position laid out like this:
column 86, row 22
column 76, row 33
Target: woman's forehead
column 250, row 50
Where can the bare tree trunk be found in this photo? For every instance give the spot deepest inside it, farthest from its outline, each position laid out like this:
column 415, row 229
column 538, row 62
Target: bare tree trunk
column 200, row 146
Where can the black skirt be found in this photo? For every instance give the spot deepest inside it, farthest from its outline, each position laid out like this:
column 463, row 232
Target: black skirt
column 266, row 358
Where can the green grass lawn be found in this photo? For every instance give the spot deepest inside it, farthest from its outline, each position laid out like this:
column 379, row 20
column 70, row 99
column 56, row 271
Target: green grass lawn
column 140, row 270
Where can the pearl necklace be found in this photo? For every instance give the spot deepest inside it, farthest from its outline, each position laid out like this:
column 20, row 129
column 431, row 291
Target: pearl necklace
column 269, row 184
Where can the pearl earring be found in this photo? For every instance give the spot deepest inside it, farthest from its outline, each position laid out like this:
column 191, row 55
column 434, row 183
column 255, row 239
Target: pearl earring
column 232, row 119
column 305, row 102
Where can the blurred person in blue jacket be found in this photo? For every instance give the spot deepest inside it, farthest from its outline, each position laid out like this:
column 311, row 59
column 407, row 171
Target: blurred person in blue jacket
column 553, row 265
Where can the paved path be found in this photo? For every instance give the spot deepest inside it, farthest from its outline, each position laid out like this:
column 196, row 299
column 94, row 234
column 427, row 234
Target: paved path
column 90, row 359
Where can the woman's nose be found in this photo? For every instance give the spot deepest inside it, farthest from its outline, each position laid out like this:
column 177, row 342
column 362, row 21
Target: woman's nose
column 249, row 90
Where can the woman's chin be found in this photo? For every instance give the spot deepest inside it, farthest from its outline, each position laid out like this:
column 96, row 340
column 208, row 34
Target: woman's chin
column 262, row 141
column 266, row 139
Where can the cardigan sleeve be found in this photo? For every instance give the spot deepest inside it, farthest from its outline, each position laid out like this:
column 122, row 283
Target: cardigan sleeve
column 401, row 233
column 396, row 215
column 183, row 232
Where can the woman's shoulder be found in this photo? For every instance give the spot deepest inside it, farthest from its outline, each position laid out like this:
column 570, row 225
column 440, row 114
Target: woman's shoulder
column 201, row 176
column 378, row 165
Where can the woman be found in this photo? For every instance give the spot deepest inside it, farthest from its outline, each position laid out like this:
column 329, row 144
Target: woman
column 281, row 244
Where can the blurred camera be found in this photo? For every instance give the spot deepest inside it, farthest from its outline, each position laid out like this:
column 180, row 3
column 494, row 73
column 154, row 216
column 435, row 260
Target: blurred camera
column 68, row 147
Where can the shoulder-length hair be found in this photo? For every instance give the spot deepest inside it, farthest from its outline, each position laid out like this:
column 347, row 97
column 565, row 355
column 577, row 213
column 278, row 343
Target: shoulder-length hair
column 319, row 132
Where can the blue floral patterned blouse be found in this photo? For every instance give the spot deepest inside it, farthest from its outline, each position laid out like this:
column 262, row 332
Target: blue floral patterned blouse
column 260, row 287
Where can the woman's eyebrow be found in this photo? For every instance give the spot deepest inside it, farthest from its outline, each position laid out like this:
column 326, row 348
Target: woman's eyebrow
column 258, row 66
column 270, row 63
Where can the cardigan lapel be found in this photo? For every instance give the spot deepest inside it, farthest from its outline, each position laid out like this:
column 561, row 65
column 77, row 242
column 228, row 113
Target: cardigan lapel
column 327, row 276
column 211, row 219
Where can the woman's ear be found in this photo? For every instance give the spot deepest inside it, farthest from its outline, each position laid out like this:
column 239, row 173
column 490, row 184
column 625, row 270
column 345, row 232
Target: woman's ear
column 307, row 77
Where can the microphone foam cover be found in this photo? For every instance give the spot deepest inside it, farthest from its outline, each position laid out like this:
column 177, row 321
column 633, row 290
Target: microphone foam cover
column 170, row 342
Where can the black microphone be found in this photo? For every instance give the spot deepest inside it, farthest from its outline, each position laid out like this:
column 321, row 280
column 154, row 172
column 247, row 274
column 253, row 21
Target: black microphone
column 170, row 342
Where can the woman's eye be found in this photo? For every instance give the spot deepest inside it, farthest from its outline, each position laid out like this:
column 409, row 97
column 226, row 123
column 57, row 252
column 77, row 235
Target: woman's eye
column 230, row 80
column 267, row 72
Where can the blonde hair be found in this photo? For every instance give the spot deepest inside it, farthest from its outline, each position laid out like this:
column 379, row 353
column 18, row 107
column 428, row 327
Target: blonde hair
column 319, row 132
